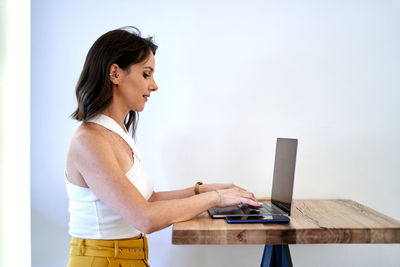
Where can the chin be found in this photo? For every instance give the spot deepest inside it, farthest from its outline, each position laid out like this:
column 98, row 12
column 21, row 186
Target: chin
column 140, row 109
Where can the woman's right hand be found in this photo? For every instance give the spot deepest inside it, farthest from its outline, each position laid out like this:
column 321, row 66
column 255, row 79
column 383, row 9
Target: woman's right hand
column 235, row 196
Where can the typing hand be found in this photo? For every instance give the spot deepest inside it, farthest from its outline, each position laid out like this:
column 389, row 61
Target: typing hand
column 235, row 196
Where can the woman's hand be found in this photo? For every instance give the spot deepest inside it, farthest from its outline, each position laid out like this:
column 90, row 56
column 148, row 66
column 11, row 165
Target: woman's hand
column 234, row 196
column 230, row 194
column 211, row 187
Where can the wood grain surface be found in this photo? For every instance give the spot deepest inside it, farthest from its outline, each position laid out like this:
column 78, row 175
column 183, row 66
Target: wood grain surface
column 312, row 222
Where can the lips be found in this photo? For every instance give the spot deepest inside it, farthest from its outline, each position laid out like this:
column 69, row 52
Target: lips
column 146, row 97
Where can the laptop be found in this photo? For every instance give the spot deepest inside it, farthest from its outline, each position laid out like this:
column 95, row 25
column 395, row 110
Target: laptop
column 282, row 190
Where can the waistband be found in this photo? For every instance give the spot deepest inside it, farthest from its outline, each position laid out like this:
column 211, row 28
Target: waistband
column 133, row 248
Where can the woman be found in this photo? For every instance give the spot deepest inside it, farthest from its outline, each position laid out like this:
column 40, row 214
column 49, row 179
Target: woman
column 111, row 199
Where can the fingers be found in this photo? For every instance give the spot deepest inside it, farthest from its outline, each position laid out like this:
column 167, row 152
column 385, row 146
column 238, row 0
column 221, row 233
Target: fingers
column 251, row 202
column 248, row 194
column 249, row 199
column 236, row 195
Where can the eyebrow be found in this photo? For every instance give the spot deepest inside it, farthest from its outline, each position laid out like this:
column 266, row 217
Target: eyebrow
column 152, row 70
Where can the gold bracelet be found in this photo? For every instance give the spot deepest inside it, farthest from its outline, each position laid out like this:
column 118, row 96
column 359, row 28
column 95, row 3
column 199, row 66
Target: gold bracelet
column 197, row 187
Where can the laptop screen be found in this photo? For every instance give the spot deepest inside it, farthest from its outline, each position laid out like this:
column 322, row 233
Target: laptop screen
column 283, row 179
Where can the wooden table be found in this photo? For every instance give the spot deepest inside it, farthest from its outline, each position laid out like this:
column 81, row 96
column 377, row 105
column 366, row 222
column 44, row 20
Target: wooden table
column 311, row 222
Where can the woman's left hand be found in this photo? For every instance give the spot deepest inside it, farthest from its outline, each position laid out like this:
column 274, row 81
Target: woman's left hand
column 211, row 187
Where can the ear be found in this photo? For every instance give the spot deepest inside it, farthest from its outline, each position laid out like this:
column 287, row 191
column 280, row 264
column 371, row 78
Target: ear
column 114, row 74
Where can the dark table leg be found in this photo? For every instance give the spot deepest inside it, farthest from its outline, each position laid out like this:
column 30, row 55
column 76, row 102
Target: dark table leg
column 276, row 256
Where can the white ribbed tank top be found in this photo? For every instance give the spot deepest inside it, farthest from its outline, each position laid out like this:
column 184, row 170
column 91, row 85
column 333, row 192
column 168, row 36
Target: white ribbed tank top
column 90, row 218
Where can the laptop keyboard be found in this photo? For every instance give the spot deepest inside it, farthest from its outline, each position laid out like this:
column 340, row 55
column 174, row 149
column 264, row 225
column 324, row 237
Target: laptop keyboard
column 267, row 208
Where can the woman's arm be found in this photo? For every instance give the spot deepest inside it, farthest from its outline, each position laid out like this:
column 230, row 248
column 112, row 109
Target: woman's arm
column 188, row 192
column 96, row 162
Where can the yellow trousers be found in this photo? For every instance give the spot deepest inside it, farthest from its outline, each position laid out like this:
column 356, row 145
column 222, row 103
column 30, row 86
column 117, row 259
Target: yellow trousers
column 132, row 252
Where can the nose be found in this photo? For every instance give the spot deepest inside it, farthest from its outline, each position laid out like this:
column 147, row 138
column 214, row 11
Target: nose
column 153, row 85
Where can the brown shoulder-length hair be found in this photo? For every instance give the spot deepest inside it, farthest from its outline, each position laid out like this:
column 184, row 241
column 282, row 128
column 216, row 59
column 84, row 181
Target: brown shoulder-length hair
column 124, row 47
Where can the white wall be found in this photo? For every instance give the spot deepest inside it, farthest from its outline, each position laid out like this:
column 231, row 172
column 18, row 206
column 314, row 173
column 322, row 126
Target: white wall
column 233, row 76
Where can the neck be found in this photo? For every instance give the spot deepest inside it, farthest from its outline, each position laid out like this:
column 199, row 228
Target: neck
column 116, row 114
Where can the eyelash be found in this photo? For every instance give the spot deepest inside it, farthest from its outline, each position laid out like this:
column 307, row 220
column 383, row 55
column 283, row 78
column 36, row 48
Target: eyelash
column 145, row 75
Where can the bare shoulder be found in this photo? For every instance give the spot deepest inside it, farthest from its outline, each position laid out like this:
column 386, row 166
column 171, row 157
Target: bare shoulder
column 89, row 138
column 87, row 147
column 87, row 133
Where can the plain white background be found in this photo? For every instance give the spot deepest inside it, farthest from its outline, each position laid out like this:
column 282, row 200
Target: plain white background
column 232, row 76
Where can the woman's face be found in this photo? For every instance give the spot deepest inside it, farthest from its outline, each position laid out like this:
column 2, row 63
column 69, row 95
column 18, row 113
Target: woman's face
column 136, row 84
